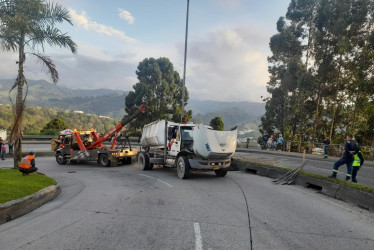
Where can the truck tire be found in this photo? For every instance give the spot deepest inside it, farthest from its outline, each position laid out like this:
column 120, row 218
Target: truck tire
column 60, row 159
column 143, row 160
column 221, row 172
column 183, row 167
column 104, row 160
column 233, row 165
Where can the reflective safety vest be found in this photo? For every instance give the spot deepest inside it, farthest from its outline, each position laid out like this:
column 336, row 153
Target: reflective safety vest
column 356, row 161
column 26, row 161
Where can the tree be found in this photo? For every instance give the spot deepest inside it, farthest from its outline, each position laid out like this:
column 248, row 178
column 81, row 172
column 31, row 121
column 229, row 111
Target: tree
column 159, row 89
column 217, row 123
column 54, row 126
column 25, row 27
column 321, row 80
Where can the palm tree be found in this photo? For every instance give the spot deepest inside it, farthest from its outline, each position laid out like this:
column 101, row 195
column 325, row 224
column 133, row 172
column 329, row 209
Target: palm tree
column 26, row 27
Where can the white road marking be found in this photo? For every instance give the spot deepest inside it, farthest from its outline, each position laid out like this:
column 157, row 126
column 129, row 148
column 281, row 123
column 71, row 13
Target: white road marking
column 147, row 176
column 156, row 179
column 164, row 182
column 199, row 239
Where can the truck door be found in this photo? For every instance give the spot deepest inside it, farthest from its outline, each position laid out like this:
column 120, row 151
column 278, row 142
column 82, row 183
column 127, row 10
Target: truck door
column 186, row 139
column 174, row 142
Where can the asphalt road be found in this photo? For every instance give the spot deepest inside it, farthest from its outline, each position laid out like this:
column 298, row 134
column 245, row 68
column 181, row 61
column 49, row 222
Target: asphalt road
column 126, row 208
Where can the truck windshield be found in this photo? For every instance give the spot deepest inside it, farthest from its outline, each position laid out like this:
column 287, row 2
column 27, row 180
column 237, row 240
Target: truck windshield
column 186, row 134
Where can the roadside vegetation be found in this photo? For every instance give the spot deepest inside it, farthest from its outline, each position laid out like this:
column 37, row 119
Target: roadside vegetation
column 344, row 183
column 13, row 185
column 321, row 72
column 28, row 27
column 159, row 88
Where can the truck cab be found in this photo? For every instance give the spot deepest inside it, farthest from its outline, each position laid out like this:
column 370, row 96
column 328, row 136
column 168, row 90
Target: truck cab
column 187, row 147
column 180, row 139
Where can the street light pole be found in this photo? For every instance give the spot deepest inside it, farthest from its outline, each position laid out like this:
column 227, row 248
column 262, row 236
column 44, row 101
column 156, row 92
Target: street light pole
column 185, row 60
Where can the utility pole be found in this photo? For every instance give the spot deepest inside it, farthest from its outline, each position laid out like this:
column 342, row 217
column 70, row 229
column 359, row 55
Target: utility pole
column 185, row 59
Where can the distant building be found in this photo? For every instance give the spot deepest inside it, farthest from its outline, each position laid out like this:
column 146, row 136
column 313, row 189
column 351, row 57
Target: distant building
column 78, row 112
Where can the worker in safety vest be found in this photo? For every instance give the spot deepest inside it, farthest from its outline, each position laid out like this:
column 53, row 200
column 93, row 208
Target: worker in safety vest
column 27, row 164
column 357, row 163
column 350, row 148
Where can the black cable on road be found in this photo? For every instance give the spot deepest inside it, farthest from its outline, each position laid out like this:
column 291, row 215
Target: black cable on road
column 246, row 203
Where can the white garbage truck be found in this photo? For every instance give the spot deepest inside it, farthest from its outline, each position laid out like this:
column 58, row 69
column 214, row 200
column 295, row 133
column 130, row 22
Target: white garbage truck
column 187, row 147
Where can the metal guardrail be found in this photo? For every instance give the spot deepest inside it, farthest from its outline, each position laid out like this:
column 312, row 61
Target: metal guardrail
column 45, row 138
column 290, row 146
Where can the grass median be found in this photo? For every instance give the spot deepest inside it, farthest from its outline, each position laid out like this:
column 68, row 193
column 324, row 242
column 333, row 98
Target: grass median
column 13, row 185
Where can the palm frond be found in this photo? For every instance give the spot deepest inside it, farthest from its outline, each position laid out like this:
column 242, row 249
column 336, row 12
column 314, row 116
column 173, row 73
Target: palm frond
column 56, row 13
column 48, row 66
column 53, row 37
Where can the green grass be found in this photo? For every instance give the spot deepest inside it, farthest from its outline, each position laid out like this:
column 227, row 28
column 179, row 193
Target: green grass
column 344, row 183
column 13, row 185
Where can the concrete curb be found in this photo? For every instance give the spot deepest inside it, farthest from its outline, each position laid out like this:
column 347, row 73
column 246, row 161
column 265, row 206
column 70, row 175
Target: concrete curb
column 16, row 208
column 356, row 197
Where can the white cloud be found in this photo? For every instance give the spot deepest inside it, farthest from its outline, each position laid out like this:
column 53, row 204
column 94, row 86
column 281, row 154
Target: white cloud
column 228, row 65
column 126, row 15
column 8, row 66
column 84, row 21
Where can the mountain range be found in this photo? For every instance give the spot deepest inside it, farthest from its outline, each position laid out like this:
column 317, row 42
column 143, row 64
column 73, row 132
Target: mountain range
column 107, row 102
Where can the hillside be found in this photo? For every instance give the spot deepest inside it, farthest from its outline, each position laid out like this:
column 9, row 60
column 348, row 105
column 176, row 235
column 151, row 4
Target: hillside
column 254, row 109
column 111, row 103
column 104, row 102
column 245, row 115
column 35, row 118
column 230, row 117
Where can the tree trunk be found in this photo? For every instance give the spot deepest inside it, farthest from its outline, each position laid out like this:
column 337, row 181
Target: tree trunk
column 355, row 113
column 333, row 121
column 315, row 126
column 17, row 126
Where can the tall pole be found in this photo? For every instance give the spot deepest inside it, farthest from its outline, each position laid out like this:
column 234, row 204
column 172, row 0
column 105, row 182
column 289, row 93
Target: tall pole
column 185, row 59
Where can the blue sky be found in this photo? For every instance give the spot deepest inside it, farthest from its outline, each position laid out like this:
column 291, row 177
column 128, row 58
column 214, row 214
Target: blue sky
column 227, row 45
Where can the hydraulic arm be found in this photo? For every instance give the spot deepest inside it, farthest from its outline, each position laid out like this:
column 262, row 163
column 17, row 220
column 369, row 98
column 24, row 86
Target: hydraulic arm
column 118, row 128
column 125, row 120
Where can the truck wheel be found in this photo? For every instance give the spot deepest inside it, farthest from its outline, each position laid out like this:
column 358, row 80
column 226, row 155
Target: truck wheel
column 143, row 160
column 234, row 165
column 60, row 159
column 104, row 160
column 183, row 167
column 221, row 172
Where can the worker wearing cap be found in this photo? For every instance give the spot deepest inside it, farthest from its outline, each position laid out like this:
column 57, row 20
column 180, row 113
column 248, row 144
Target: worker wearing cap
column 27, row 164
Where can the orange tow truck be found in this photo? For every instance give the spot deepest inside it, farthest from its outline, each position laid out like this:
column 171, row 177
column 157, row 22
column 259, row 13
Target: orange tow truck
column 77, row 146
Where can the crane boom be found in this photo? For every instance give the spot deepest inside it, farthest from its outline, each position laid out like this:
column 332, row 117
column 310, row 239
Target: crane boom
column 125, row 120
